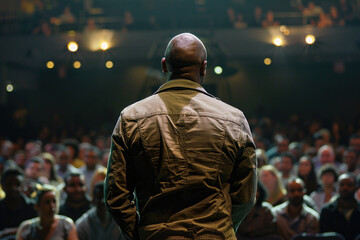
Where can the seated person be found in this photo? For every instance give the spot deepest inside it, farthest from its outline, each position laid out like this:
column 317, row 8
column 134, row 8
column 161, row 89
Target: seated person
column 294, row 216
column 15, row 207
column 328, row 178
column 48, row 225
column 343, row 214
column 260, row 222
column 77, row 202
column 97, row 223
column 270, row 178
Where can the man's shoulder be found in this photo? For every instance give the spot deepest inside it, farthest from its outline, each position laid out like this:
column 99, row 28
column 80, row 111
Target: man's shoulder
column 91, row 213
column 311, row 212
column 65, row 219
column 331, row 205
column 206, row 105
column 279, row 209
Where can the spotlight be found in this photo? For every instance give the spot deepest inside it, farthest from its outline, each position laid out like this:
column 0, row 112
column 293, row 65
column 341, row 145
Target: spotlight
column 267, row 61
column 310, row 39
column 77, row 64
column 218, row 70
column 283, row 28
column 104, row 46
column 277, row 41
column 71, row 33
column 72, row 46
column 109, row 64
column 50, row 64
column 9, row 88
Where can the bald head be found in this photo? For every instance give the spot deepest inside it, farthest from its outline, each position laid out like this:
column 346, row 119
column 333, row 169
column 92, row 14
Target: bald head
column 185, row 56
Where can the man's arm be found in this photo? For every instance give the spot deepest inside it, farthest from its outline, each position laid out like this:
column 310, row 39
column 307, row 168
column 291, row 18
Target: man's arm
column 119, row 184
column 243, row 180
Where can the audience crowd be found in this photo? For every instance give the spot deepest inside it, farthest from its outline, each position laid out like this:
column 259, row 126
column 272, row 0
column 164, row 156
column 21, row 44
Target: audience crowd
column 308, row 182
column 43, row 17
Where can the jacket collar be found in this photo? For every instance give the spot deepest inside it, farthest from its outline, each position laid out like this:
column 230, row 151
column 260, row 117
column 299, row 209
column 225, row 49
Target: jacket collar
column 182, row 84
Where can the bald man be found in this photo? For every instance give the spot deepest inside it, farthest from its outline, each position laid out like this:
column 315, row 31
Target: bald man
column 182, row 163
column 294, row 216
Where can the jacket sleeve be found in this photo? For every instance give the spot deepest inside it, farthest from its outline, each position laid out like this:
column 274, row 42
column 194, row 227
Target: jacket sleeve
column 119, row 184
column 243, row 181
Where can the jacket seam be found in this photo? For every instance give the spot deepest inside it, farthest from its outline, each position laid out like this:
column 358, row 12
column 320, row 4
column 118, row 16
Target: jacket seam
column 141, row 116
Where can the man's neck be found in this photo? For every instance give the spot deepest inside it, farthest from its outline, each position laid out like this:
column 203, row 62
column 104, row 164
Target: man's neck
column 328, row 189
column 188, row 76
column 347, row 203
column 77, row 204
column 91, row 168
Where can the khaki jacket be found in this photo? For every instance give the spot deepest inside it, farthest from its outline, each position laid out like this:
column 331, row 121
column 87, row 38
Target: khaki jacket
column 182, row 166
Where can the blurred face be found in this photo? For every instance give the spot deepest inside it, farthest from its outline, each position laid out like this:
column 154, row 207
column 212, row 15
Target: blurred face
column 328, row 179
column 355, row 143
column 295, row 193
column 304, row 167
column 20, row 159
column 75, row 188
column 47, row 205
column 100, row 143
column 63, row 158
column 33, row 170
column 283, row 146
column 350, row 159
column 326, row 157
column 71, row 151
column 347, row 187
column 13, row 186
column 47, row 166
column 268, row 179
column 334, row 12
column 270, row 16
column 91, row 159
column 286, row 164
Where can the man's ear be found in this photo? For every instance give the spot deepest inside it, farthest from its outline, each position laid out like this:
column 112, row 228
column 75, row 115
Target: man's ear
column 163, row 65
column 203, row 68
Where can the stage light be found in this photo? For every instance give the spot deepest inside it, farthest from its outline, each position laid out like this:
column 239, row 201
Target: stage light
column 267, row 61
column 310, row 39
column 218, row 70
column 283, row 28
column 77, row 64
column 71, row 33
column 104, row 46
column 109, row 64
column 277, row 41
column 72, row 46
column 9, row 88
column 50, row 64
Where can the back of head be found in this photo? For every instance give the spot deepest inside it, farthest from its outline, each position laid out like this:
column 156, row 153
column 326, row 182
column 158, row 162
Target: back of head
column 184, row 54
